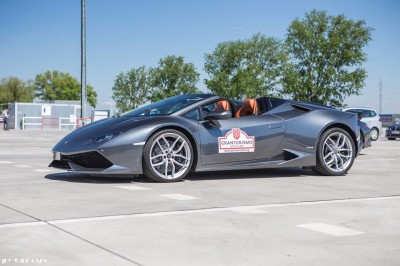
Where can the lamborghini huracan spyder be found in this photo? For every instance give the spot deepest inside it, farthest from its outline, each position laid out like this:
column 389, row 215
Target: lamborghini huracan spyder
column 166, row 140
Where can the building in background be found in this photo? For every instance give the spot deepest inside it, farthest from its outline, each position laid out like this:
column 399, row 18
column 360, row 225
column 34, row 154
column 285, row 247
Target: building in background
column 57, row 115
column 389, row 119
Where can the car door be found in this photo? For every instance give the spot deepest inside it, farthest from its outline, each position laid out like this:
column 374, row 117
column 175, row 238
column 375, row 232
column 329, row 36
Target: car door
column 240, row 139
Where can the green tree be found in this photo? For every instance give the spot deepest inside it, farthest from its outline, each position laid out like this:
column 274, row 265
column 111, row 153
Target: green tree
column 173, row 77
column 245, row 68
column 13, row 89
column 326, row 58
column 54, row 85
column 131, row 89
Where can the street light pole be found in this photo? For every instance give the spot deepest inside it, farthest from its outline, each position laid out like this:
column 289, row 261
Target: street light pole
column 380, row 96
column 83, row 59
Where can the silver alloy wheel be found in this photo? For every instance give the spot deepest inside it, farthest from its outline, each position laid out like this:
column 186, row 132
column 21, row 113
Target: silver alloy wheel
column 170, row 156
column 337, row 152
column 374, row 134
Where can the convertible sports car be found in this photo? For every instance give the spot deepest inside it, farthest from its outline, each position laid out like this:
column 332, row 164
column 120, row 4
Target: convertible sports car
column 166, row 140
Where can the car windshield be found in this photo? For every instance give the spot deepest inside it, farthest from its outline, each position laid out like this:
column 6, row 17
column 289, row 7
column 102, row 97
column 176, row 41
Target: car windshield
column 167, row 106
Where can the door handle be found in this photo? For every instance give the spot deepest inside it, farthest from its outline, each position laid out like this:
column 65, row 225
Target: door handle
column 275, row 126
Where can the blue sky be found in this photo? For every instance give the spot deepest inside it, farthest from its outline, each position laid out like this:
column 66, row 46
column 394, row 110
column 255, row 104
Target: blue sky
column 40, row 35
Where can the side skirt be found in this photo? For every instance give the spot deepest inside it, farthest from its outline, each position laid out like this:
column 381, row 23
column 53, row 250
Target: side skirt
column 302, row 160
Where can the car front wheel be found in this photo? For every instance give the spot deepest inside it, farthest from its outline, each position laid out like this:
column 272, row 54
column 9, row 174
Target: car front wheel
column 167, row 156
column 335, row 152
column 374, row 134
column 391, row 138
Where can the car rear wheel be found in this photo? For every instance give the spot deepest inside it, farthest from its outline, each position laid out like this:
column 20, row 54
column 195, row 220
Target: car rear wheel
column 335, row 152
column 391, row 138
column 374, row 134
column 167, row 156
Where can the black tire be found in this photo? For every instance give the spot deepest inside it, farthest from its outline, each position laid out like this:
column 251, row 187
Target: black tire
column 391, row 138
column 374, row 134
column 167, row 156
column 335, row 152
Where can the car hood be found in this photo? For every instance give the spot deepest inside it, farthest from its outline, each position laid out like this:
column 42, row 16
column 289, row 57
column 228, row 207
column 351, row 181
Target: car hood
column 395, row 127
column 107, row 126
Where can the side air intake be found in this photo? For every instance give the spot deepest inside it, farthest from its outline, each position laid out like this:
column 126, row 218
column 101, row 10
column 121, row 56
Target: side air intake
column 289, row 156
column 301, row 108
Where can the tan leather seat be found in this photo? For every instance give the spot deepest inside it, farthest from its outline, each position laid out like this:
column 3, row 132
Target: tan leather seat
column 223, row 106
column 249, row 108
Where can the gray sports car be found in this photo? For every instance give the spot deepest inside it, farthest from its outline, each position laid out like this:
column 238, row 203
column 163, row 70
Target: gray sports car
column 166, row 140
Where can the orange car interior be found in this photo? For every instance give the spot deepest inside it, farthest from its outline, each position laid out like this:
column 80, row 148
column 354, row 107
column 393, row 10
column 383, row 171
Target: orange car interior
column 223, row 106
column 249, row 108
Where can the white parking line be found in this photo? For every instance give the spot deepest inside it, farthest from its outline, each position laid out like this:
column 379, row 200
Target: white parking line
column 90, row 219
column 249, row 211
column 23, row 166
column 44, row 170
column 21, row 224
column 178, row 196
column 134, row 188
column 196, row 211
column 330, row 229
column 5, row 162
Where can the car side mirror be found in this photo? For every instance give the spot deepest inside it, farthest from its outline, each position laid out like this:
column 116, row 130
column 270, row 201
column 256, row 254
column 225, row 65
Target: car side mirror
column 214, row 116
column 218, row 115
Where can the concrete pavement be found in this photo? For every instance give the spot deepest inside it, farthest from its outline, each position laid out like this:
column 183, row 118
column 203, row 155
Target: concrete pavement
column 259, row 217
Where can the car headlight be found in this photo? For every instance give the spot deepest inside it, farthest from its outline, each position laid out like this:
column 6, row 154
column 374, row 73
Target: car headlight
column 106, row 137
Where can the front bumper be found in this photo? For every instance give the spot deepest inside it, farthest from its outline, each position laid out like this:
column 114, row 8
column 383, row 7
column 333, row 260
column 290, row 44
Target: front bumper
column 124, row 159
column 392, row 133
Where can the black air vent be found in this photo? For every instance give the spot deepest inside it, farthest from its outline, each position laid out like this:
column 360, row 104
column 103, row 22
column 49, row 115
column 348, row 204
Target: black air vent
column 301, row 108
column 60, row 164
column 88, row 160
column 290, row 156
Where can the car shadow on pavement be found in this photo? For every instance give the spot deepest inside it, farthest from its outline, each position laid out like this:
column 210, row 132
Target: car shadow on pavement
column 249, row 174
column 85, row 178
column 200, row 176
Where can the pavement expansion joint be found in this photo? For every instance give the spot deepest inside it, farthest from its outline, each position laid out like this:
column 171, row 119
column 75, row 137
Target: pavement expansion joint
column 41, row 222
column 244, row 208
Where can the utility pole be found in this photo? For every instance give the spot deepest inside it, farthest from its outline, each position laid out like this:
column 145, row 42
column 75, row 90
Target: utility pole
column 380, row 96
column 83, row 59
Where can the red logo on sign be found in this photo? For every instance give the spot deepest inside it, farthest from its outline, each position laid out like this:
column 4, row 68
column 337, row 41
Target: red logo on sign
column 236, row 133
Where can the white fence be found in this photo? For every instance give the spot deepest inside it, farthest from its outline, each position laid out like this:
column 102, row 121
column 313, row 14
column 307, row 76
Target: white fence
column 46, row 122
